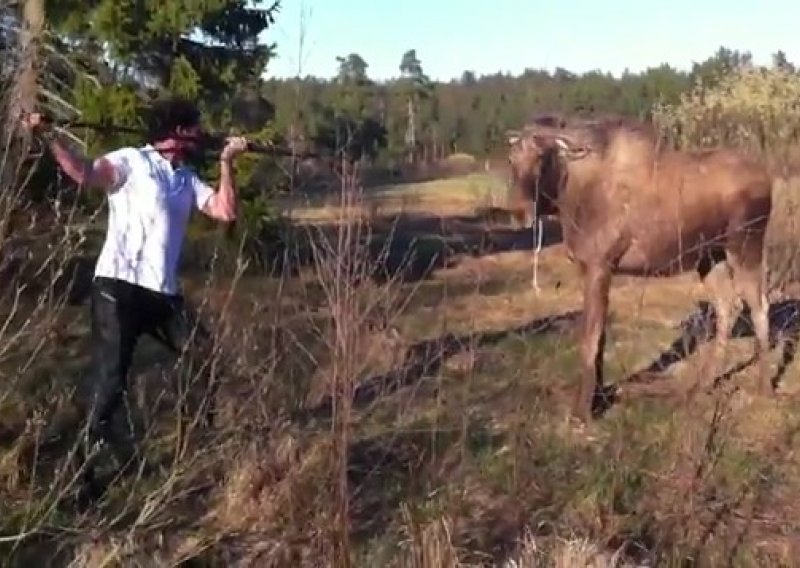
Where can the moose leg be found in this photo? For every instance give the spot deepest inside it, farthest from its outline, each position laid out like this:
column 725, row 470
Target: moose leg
column 719, row 283
column 749, row 279
column 524, row 216
column 746, row 255
column 520, row 207
column 596, row 282
column 530, row 216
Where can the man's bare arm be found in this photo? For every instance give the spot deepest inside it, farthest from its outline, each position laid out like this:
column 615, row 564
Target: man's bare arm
column 82, row 170
column 222, row 204
column 98, row 173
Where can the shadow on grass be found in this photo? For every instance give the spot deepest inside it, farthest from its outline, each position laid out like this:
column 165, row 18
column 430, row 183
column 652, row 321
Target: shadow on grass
column 407, row 247
column 700, row 327
column 411, row 247
column 402, row 466
column 426, row 358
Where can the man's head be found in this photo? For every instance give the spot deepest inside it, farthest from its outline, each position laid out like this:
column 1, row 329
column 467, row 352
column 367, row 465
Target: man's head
column 174, row 128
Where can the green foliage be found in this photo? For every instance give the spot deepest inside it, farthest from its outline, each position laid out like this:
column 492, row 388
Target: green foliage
column 470, row 114
column 151, row 53
column 748, row 107
column 183, row 79
column 723, row 62
column 463, row 115
column 345, row 118
column 120, row 104
column 352, row 69
column 206, row 50
column 148, row 37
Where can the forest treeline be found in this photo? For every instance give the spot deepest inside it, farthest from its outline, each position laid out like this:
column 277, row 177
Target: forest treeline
column 104, row 61
column 412, row 118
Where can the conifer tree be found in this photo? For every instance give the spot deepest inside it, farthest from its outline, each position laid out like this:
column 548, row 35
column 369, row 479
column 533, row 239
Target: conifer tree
column 209, row 50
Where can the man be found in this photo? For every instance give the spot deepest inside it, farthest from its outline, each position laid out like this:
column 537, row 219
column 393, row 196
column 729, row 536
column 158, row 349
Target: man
column 151, row 193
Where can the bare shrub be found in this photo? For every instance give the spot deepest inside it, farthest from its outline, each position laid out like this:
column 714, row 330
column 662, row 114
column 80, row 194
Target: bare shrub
column 344, row 263
column 562, row 553
column 428, row 545
column 175, row 462
column 34, row 263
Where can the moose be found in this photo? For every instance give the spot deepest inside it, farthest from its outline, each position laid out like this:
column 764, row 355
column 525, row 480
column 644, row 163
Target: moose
column 629, row 205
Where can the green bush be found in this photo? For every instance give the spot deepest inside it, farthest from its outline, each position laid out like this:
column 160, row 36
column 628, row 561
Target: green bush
column 754, row 108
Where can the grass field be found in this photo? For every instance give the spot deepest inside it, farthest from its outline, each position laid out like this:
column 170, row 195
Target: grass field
column 444, row 197
column 459, row 448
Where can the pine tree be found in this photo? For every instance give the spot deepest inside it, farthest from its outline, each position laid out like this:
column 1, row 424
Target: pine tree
column 208, row 50
column 418, row 87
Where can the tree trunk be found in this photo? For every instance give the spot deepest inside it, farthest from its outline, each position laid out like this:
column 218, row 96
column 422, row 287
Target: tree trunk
column 411, row 135
column 23, row 99
column 25, row 87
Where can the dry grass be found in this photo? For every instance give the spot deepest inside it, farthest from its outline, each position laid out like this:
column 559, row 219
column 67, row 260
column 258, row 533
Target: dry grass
column 417, row 419
column 618, row 497
column 446, row 197
column 408, row 423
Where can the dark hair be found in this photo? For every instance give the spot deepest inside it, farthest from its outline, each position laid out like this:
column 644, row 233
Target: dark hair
column 167, row 115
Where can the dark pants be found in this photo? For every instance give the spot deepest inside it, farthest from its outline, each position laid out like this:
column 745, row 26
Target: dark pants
column 120, row 313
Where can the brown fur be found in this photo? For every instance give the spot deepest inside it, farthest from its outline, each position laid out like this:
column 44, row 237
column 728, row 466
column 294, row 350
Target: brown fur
column 627, row 206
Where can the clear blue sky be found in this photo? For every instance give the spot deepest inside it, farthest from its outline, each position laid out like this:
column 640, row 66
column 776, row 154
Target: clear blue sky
column 487, row 36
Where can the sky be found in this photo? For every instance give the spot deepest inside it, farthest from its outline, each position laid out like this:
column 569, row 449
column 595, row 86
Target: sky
column 487, row 36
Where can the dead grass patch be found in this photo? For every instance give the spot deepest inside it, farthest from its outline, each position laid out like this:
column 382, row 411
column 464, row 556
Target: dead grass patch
column 459, row 451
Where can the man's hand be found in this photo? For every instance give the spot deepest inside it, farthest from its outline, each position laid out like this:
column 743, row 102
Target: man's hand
column 222, row 204
column 233, row 147
column 82, row 170
column 37, row 125
column 32, row 121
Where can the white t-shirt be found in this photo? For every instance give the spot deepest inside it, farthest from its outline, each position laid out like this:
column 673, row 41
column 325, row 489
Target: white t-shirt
column 148, row 213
